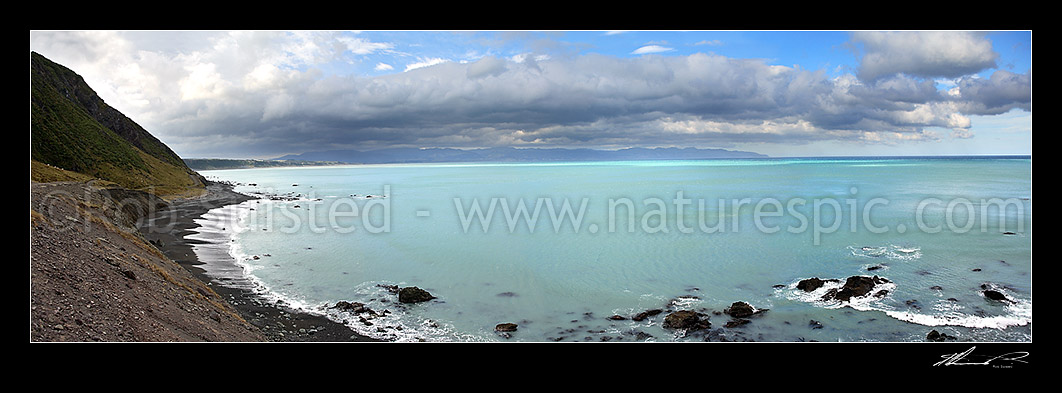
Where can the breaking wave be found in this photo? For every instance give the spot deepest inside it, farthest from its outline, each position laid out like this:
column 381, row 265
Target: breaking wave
column 891, row 251
column 1016, row 312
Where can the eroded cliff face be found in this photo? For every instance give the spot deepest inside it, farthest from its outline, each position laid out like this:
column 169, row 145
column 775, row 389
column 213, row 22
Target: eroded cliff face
column 93, row 277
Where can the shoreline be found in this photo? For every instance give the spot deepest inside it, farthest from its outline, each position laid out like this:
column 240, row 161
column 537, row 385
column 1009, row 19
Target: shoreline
column 167, row 231
column 928, row 323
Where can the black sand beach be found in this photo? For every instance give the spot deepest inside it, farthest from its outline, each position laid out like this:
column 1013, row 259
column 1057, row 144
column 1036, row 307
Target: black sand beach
column 167, row 229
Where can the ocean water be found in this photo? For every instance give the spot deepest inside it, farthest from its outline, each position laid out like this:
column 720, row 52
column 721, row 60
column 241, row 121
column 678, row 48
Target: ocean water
column 559, row 248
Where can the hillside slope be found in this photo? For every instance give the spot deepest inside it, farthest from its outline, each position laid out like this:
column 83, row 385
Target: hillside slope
column 93, row 277
column 73, row 129
column 95, row 178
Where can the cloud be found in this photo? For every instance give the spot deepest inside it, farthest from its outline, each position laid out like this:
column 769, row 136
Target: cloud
column 709, row 43
column 947, row 54
column 361, row 46
column 487, row 66
column 425, row 62
column 1000, row 93
column 651, row 49
column 248, row 94
column 383, row 67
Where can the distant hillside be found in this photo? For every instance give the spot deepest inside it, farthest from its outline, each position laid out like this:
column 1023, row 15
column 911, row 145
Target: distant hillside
column 73, row 129
column 203, row 164
column 510, row 154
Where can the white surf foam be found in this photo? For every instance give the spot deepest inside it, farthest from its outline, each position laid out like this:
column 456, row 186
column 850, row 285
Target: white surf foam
column 889, row 251
column 943, row 312
column 862, row 303
column 1017, row 314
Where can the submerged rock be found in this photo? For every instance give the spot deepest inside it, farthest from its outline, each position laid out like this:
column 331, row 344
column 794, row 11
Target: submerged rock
column 413, row 295
column 646, row 314
column 733, row 323
column 938, row 336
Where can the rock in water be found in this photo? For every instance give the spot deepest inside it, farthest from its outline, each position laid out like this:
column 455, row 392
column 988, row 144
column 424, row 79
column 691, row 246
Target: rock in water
column 353, row 307
column 829, row 295
column 741, row 310
column 810, row 284
column 997, row 296
column 646, row 314
column 505, row 327
column 938, row 336
column 413, row 295
column 857, row 286
column 733, row 323
column 686, row 320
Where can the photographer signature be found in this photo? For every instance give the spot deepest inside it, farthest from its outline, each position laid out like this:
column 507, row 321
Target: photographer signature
column 959, row 359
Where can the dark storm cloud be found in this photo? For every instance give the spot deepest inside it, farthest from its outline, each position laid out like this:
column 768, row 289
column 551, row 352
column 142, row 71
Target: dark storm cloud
column 261, row 94
column 999, row 93
column 593, row 101
column 948, row 54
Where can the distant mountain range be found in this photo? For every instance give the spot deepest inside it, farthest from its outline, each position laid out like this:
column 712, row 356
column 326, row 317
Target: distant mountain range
column 206, row 164
column 511, row 154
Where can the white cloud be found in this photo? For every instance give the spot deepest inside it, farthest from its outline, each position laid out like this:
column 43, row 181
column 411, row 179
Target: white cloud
column 262, row 77
column 383, row 67
column 709, row 43
column 202, row 82
column 960, row 133
column 425, row 62
column 360, row 46
column 651, row 49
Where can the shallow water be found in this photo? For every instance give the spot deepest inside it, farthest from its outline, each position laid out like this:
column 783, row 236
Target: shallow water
column 619, row 238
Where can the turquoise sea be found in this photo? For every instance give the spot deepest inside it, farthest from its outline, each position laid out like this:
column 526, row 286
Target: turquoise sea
column 561, row 248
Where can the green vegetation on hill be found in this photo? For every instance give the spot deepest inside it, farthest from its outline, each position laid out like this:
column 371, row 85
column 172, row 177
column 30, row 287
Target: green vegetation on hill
column 73, row 129
column 44, row 173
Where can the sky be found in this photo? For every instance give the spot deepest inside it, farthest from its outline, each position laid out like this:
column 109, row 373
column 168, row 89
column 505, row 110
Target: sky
column 265, row 94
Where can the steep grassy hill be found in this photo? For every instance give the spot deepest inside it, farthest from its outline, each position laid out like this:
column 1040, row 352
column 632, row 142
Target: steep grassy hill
column 73, row 129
